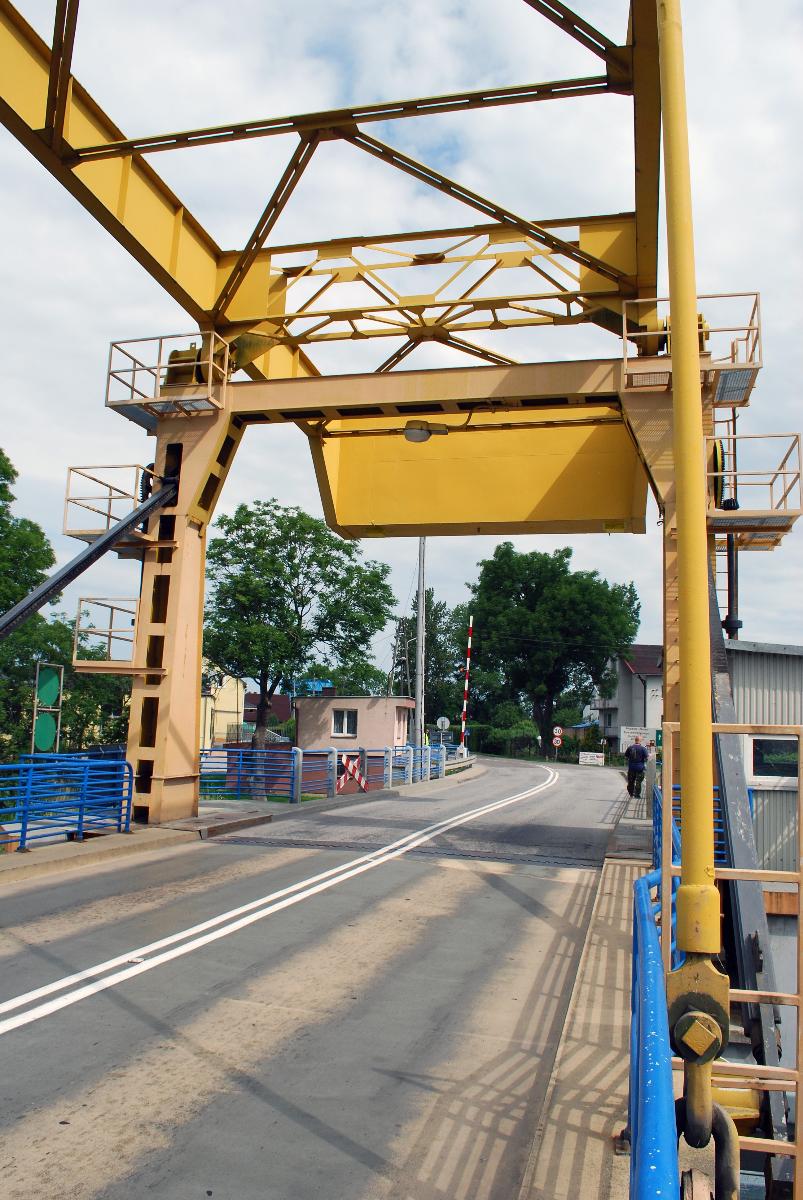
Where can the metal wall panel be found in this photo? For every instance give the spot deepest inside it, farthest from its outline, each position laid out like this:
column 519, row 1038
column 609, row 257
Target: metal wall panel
column 767, row 687
column 775, row 824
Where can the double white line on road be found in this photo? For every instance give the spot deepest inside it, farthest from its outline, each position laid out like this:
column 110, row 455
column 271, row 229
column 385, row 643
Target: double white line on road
column 136, row 962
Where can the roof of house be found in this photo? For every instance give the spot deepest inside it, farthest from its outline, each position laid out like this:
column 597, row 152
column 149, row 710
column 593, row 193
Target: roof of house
column 645, row 660
column 404, row 701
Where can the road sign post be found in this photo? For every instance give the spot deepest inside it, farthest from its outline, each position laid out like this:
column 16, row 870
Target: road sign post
column 47, row 708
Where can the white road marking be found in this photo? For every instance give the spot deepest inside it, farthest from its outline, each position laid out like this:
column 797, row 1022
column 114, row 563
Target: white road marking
column 236, row 918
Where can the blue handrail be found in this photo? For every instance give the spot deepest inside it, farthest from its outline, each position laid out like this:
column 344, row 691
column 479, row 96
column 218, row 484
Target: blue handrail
column 232, row 774
column 654, row 1158
column 48, row 796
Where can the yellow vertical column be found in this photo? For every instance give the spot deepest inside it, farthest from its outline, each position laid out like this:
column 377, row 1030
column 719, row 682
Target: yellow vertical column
column 164, row 725
column 698, row 899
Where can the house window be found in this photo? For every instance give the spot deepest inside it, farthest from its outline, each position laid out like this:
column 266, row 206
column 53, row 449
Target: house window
column 774, row 758
column 344, row 722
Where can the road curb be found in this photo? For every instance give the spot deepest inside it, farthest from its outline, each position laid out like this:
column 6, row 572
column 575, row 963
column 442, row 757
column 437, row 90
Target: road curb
column 67, row 856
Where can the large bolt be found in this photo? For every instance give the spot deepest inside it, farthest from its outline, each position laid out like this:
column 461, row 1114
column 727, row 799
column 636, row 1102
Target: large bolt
column 698, row 1037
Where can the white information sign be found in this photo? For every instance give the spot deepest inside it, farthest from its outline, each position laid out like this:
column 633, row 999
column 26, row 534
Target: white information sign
column 590, row 758
column 629, row 733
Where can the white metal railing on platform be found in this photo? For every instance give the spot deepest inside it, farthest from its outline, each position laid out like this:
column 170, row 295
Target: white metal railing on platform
column 757, row 473
column 97, row 497
column 730, row 344
column 107, row 626
column 179, row 373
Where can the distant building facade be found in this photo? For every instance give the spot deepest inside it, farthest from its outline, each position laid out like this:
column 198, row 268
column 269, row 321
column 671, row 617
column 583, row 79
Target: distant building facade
column 638, row 699
column 767, row 683
column 281, row 707
column 352, row 722
column 222, row 705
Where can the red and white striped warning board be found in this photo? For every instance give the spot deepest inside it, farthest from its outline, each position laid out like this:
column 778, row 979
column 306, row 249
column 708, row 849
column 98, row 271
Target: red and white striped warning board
column 351, row 770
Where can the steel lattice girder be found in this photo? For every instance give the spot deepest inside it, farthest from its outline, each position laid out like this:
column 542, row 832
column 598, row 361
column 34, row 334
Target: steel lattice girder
column 66, row 129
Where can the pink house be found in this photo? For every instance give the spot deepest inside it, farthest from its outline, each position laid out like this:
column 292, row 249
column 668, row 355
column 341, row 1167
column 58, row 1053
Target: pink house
column 352, row 722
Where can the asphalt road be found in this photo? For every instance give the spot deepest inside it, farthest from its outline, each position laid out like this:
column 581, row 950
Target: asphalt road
column 384, row 1026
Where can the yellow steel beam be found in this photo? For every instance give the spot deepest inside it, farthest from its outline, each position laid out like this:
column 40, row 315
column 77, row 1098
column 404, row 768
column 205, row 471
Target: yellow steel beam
column 490, row 208
column 576, row 27
column 429, row 392
column 488, row 228
column 236, row 289
column 643, row 38
column 127, row 197
column 319, row 122
column 284, row 189
column 60, row 63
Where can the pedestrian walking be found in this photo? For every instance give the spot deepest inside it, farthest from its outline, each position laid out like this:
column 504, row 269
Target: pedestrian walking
column 636, row 756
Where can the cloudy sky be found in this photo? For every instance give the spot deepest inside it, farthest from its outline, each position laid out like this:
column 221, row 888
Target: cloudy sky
column 68, row 289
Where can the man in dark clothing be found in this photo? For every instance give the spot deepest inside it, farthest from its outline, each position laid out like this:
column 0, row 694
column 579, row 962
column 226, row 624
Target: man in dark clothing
column 636, row 756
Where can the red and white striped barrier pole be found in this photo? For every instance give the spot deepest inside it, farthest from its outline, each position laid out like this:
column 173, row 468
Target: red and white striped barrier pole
column 465, row 690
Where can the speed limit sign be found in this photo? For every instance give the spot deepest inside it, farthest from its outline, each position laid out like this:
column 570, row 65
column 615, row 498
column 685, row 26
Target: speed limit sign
column 557, row 741
column 558, row 731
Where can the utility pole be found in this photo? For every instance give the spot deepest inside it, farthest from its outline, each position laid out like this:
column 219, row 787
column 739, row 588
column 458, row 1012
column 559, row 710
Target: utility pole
column 392, row 672
column 420, row 647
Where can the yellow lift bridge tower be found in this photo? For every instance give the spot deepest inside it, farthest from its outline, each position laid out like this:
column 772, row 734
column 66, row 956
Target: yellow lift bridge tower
column 497, row 446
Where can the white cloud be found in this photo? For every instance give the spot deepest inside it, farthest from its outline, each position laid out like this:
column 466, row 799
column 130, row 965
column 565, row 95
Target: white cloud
column 69, row 289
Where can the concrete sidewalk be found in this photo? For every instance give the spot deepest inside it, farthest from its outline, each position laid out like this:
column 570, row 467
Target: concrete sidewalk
column 586, row 1105
column 64, row 855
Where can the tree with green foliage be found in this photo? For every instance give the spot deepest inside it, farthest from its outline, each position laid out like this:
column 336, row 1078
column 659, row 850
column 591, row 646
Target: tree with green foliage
column 285, row 592
column 511, row 731
column 25, row 556
column 543, row 630
column 94, row 708
column 355, row 678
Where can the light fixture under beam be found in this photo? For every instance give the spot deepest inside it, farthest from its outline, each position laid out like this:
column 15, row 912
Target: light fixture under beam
column 422, row 431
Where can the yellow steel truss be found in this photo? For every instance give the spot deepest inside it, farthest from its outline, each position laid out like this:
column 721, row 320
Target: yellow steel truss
column 516, row 271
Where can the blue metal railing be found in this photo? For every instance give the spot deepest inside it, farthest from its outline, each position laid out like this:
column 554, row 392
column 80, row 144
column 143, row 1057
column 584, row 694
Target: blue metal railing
column 285, row 772
column 268, row 774
column 423, row 755
column 45, row 797
column 375, row 772
column 721, row 851
column 318, row 773
column 654, row 1156
column 398, row 770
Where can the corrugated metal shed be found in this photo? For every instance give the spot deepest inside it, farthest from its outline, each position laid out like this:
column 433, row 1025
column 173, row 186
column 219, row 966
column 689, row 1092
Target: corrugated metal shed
column 768, row 690
column 775, row 825
column 767, row 682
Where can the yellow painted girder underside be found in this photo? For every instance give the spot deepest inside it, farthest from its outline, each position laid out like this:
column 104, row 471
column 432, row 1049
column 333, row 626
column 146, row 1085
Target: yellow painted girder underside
column 503, row 473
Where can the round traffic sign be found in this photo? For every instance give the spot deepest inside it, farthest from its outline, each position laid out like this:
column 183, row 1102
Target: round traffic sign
column 48, row 686
column 558, row 731
column 557, row 741
column 45, row 731
column 443, row 722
